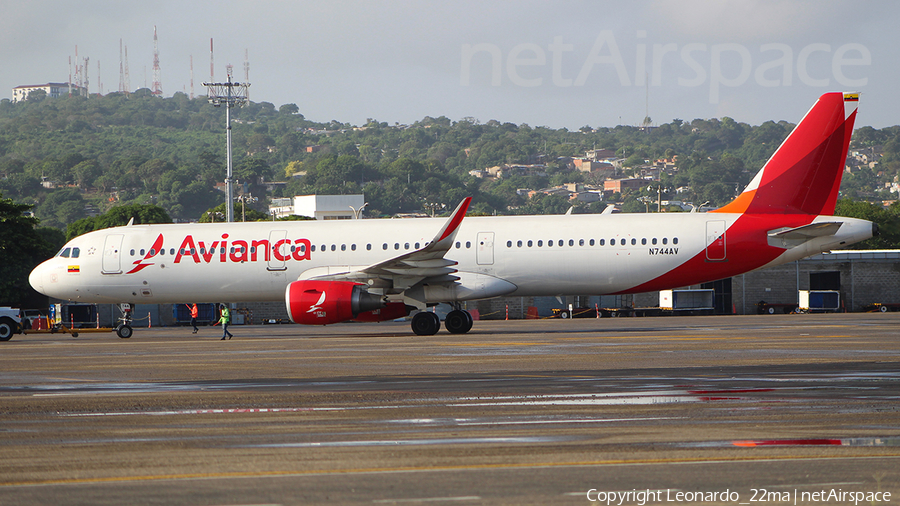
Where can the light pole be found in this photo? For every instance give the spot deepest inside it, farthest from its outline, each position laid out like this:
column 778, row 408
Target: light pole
column 244, row 199
column 230, row 94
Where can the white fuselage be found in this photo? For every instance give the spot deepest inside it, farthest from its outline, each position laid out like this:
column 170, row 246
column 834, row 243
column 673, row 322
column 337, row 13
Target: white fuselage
column 512, row 255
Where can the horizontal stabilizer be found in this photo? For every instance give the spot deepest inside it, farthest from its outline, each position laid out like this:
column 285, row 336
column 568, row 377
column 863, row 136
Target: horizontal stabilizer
column 790, row 237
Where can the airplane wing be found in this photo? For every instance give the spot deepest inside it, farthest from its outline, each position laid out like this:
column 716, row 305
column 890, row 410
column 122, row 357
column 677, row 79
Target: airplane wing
column 405, row 271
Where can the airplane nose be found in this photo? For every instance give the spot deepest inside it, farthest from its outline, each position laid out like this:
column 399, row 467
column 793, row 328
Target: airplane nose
column 36, row 278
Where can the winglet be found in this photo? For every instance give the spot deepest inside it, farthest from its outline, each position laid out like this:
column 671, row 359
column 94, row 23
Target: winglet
column 449, row 229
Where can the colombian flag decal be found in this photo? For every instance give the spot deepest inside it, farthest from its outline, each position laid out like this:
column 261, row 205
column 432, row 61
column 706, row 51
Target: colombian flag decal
column 74, row 268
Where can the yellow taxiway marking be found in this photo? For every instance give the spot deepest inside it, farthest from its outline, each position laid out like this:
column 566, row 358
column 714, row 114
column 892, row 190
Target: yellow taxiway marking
column 412, row 469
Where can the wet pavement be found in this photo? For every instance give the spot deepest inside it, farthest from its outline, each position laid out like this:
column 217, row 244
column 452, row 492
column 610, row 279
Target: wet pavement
column 770, row 409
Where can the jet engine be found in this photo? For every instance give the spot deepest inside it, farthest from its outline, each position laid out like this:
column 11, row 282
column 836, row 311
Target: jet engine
column 314, row 302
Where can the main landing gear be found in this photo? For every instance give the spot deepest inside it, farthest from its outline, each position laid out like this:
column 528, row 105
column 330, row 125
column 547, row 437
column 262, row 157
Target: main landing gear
column 426, row 323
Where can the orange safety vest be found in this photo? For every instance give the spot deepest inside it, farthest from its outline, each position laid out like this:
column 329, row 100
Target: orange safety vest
column 194, row 311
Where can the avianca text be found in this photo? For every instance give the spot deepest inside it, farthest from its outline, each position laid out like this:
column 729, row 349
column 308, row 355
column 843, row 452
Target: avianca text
column 240, row 251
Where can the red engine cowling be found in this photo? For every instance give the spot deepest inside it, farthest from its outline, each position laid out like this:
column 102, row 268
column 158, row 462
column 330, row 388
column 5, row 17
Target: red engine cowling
column 325, row 302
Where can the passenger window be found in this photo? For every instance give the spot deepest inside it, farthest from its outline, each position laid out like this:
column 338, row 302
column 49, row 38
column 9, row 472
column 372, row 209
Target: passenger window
column 653, row 241
column 343, row 247
column 529, row 243
column 384, row 246
column 333, row 247
column 601, row 242
column 540, row 243
column 193, row 252
column 509, row 244
column 417, row 245
column 665, row 240
column 396, row 245
column 352, row 247
column 468, row 244
column 519, row 244
column 132, row 253
column 674, row 240
column 612, row 242
column 406, row 245
column 550, row 243
column 560, row 243
column 644, row 241
column 369, row 247
column 581, row 242
column 142, row 252
column 633, row 241
column 312, row 247
column 202, row 251
column 171, row 251
column 180, row 251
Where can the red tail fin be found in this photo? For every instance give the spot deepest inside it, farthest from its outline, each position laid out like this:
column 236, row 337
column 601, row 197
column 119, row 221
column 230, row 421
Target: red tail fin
column 804, row 174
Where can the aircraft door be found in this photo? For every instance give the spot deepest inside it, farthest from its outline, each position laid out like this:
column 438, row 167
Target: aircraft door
column 279, row 250
column 715, row 241
column 484, row 255
column 112, row 254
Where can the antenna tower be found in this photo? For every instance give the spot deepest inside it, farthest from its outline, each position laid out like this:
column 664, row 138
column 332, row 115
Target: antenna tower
column 127, row 75
column 212, row 74
column 230, row 94
column 157, row 86
column 84, row 73
column 70, row 76
column 247, row 69
column 121, row 70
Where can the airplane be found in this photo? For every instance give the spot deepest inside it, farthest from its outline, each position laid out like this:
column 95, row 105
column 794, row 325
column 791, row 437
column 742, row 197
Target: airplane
column 375, row 270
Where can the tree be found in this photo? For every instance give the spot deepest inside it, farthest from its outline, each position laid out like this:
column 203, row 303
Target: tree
column 22, row 248
column 117, row 217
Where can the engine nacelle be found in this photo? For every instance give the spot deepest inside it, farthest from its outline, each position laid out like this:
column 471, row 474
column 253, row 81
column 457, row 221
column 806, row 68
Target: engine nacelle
column 314, row 302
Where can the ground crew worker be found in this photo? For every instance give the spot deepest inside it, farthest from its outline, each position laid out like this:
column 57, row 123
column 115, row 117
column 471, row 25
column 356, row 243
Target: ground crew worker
column 225, row 319
column 194, row 314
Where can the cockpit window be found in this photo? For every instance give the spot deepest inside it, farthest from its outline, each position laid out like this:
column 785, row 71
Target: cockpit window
column 75, row 252
column 65, row 253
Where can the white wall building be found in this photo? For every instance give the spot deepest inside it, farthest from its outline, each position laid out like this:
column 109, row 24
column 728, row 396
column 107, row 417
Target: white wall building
column 320, row 207
column 53, row 90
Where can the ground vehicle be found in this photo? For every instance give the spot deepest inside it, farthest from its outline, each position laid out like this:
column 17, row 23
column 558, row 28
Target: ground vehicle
column 10, row 323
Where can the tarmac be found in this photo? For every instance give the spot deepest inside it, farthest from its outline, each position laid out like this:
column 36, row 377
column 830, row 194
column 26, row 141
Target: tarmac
column 780, row 409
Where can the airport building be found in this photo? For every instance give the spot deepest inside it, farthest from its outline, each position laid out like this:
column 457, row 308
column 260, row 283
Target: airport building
column 320, row 207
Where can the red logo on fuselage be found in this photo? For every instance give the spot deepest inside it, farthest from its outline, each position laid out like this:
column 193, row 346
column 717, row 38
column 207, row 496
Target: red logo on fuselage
column 238, row 251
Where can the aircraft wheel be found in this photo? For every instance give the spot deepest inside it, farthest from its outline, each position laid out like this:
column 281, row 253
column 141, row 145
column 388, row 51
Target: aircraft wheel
column 426, row 323
column 883, row 309
column 8, row 327
column 124, row 331
column 458, row 321
column 770, row 310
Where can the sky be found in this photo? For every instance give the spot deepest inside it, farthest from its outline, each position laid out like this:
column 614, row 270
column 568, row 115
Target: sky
column 561, row 64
